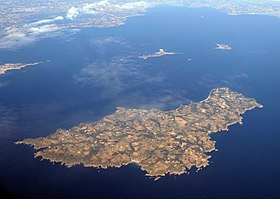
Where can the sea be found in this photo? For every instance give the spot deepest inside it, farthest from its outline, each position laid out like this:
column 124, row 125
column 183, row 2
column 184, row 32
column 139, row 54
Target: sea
column 85, row 74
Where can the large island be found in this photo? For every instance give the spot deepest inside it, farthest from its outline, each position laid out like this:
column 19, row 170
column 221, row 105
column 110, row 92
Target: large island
column 160, row 142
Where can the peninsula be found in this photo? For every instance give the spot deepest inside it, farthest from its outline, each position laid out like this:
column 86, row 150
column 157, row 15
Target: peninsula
column 160, row 142
column 160, row 53
column 16, row 66
column 223, row 47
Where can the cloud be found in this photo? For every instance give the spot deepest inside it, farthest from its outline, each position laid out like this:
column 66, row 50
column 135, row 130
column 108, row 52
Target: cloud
column 101, row 41
column 46, row 21
column 8, row 117
column 3, row 84
column 43, row 29
column 105, row 5
column 125, row 9
column 126, row 83
column 112, row 75
column 139, row 6
column 233, row 81
column 72, row 13
column 108, row 44
column 164, row 98
column 18, row 36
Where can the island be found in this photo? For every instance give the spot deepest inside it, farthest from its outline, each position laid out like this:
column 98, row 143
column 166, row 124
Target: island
column 223, row 47
column 159, row 142
column 16, row 66
column 160, row 53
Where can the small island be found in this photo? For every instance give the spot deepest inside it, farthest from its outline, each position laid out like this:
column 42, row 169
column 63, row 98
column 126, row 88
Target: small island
column 160, row 142
column 223, row 47
column 160, row 53
column 16, row 66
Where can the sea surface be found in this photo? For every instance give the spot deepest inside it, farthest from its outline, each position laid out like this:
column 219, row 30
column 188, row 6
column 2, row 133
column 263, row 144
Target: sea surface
column 86, row 74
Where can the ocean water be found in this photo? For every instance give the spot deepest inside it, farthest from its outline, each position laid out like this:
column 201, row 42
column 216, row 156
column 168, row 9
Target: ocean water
column 85, row 75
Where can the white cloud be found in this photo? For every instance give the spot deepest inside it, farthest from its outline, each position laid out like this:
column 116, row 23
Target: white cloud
column 104, row 42
column 163, row 98
column 18, row 36
column 8, row 117
column 89, row 9
column 43, row 29
column 46, row 21
column 72, row 13
column 3, row 84
column 124, row 76
column 103, row 6
column 111, row 75
column 140, row 5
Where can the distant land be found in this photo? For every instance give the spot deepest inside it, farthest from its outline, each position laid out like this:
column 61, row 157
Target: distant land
column 119, row 10
column 20, row 23
column 160, row 142
column 160, row 53
column 15, row 66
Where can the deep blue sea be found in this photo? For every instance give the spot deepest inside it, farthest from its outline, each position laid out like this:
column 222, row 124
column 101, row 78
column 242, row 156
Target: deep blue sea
column 86, row 74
